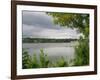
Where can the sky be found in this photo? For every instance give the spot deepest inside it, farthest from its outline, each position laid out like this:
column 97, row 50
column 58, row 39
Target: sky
column 40, row 25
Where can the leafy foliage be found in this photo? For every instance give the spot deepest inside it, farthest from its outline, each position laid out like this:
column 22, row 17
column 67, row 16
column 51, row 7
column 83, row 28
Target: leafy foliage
column 81, row 23
column 43, row 62
column 26, row 60
column 34, row 61
column 72, row 20
column 82, row 53
column 61, row 63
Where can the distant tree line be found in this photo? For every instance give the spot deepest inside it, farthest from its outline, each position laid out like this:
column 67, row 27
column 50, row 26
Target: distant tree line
column 45, row 40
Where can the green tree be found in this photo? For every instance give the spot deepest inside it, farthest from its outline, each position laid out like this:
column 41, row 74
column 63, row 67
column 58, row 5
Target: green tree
column 81, row 23
column 72, row 20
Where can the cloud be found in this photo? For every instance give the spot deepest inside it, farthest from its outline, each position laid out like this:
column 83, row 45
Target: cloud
column 39, row 32
column 40, row 25
column 37, row 19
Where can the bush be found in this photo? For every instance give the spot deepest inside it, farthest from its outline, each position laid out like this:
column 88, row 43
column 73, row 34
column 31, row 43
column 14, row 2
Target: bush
column 82, row 53
column 42, row 62
column 34, row 62
column 61, row 63
column 26, row 60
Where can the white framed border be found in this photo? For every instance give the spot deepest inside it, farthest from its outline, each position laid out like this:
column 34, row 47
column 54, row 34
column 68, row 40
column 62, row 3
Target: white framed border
column 21, row 71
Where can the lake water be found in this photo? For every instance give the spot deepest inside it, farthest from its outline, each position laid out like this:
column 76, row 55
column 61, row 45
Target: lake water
column 53, row 50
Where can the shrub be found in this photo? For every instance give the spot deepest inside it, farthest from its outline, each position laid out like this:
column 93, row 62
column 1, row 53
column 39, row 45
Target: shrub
column 61, row 62
column 82, row 53
column 42, row 62
column 26, row 60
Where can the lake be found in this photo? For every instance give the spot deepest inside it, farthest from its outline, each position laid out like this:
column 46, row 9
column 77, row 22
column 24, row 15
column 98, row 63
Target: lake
column 53, row 50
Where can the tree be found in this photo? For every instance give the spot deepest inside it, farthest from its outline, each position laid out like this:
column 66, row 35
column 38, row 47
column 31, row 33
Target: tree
column 81, row 22
column 72, row 20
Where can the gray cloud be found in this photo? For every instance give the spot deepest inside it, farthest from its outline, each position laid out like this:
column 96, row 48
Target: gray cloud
column 40, row 25
column 38, row 19
column 40, row 32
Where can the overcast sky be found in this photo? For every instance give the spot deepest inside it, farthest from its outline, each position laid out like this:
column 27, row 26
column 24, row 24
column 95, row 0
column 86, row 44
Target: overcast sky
column 40, row 25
